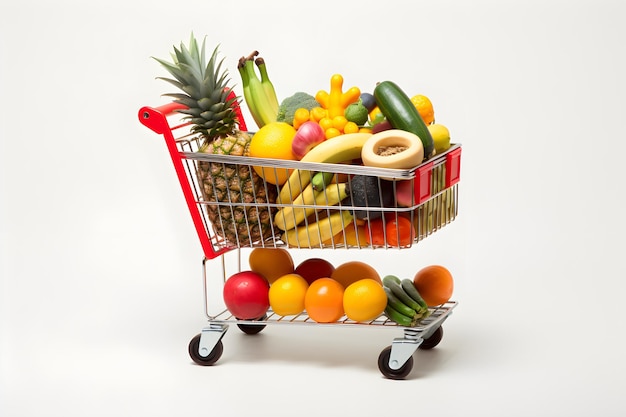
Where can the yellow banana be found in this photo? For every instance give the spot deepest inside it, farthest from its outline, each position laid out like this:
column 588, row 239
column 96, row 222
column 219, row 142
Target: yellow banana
column 338, row 149
column 313, row 234
column 304, row 205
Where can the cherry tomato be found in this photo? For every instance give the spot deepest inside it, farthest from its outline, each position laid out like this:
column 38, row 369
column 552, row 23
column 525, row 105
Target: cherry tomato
column 400, row 231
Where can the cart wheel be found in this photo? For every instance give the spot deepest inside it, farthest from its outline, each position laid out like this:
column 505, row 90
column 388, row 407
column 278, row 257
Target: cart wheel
column 383, row 365
column 433, row 340
column 253, row 328
column 194, row 352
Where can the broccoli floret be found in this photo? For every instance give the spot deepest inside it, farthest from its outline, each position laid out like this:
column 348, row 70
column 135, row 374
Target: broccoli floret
column 288, row 107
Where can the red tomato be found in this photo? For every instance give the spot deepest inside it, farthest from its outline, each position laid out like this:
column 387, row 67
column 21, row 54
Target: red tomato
column 375, row 232
column 400, row 231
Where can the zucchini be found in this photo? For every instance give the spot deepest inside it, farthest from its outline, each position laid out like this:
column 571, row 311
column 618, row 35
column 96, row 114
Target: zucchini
column 397, row 107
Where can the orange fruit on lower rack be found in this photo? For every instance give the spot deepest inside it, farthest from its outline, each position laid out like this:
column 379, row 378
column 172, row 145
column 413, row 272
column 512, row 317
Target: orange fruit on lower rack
column 323, row 301
column 272, row 263
column 351, row 271
column 435, row 284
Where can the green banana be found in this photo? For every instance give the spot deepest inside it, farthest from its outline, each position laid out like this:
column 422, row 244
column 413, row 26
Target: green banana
column 247, row 93
column 270, row 92
column 401, row 319
column 410, row 289
column 338, row 149
column 399, row 292
column 313, row 234
column 395, row 303
column 304, row 205
column 321, row 180
column 262, row 104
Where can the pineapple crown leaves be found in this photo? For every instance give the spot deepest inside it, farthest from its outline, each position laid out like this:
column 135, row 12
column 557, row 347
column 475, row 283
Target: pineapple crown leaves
column 204, row 87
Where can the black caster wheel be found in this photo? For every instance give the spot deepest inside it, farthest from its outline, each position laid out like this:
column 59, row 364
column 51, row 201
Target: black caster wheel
column 383, row 365
column 433, row 340
column 194, row 352
column 252, row 328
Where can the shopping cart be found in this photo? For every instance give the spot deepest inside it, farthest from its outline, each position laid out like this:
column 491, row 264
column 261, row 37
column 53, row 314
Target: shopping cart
column 434, row 205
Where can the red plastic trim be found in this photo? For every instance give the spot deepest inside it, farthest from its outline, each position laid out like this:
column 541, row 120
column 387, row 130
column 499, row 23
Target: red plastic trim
column 453, row 167
column 422, row 181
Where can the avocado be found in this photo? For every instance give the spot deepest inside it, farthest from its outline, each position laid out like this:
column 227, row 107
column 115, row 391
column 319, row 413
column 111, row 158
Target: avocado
column 371, row 193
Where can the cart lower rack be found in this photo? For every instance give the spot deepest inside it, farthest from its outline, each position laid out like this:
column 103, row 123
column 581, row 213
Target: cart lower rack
column 232, row 209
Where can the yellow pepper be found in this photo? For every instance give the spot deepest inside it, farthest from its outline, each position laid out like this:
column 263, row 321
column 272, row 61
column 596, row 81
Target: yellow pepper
column 336, row 101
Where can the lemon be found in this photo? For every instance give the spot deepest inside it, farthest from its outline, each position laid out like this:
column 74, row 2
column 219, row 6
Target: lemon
column 441, row 137
column 364, row 300
column 273, row 141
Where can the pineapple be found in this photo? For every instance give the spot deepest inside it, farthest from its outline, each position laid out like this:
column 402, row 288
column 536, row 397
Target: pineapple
column 212, row 114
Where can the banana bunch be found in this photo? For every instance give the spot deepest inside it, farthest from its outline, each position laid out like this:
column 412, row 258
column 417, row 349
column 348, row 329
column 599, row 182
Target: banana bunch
column 307, row 203
column 405, row 305
column 259, row 94
column 306, row 191
column 313, row 234
column 334, row 150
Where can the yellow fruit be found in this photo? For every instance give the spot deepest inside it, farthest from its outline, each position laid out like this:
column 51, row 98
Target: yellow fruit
column 374, row 113
column 441, row 137
column 424, row 107
column 351, row 127
column 272, row 263
column 364, row 300
column 300, row 116
column 318, row 113
column 352, row 271
column 273, row 141
column 352, row 236
column 287, row 294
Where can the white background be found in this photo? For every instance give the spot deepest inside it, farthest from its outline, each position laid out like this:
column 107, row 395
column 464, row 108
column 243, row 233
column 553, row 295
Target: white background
column 100, row 265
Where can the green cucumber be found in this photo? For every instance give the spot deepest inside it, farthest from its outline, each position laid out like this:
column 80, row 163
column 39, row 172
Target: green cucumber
column 399, row 318
column 409, row 288
column 397, row 107
column 395, row 303
column 399, row 292
column 390, row 279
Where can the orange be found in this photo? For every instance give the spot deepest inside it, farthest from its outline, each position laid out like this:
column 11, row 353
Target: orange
column 424, row 107
column 364, row 300
column 272, row 263
column 287, row 295
column 351, row 271
column 435, row 284
column 323, row 301
column 273, row 141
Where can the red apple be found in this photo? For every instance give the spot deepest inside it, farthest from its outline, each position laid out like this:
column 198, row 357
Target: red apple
column 314, row 268
column 246, row 295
